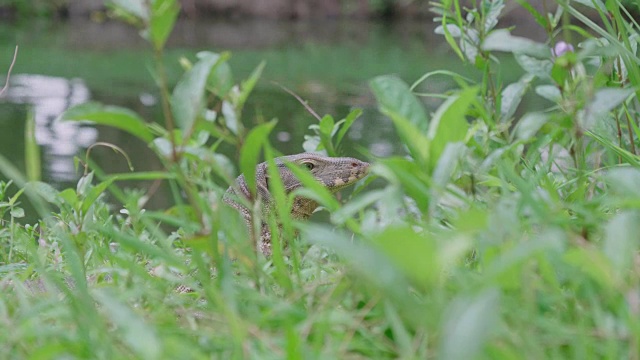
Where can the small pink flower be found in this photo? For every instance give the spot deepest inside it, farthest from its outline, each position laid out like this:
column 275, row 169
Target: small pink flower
column 561, row 48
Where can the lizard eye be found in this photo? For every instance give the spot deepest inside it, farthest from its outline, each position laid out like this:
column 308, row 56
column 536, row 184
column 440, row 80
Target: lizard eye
column 308, row 165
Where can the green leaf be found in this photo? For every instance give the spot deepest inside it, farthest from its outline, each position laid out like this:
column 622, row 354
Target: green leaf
column 502, row 40
column 462, row 81
column 469, row 323
column 449, row 31
column 409, row 175
column 529, row 125
column 412, row 137
column 163, row 15
column 17, row 212
column 231, row 120
column 250, row 152
column 395, row 98
column 541, row 19
column 368, row 262
column 449, row 123
column 84, row 184
column 163, row 146
column 9, row 170
column 415, row 254
column 93, row 194
column 136, row 244
column 46, row 191
column 627, row 156
column 593, row 263
column 346, row 125
column 537, row 67
column 560, row 73
column 506, row 267
column 446, row 165
column 601, row 104
column 221, row 80
column 357, row 204
column 187, row 100
column 69, row 197
column 114, row 116
column 549, row 92
column 326, row 130
column 594, row 4
column 624, row 182
column 401, row 106
column 491, row 11
column 16, row 196
column 143, row 175
column 621, row 241
column 247, row 86
column 31, row 148
column 139, row 336
column 132, row 8
column 278, row 197
column 511, row 97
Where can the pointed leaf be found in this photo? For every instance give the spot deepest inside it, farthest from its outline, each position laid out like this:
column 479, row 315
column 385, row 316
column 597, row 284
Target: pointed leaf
column 549, row 92
column 220, row 81
column 368, row 262
column 348, row 121
column 538, row 67
column 133, row 8
column 187, row 100
column 114, row 116
column 394, row 97
column 415, row 254
column 602, row 103
column 134, row 331
column 529, row 125
column 502, row 40
column 94, row 192
column 449, row 124
column 250, row 153
column 396, row 101
column 468, row 325
column 621, row 241
column 511, row 97
column 247, row 86
column 163, row 15
column 624, row 182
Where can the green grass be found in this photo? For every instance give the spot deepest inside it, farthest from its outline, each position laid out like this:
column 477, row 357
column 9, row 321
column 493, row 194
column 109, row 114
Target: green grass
column 502, row 233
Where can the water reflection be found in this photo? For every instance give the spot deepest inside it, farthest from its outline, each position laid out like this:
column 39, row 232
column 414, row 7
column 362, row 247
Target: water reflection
column 60, row 141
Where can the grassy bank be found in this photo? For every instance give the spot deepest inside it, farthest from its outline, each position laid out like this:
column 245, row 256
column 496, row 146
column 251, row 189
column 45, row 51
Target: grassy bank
column 500, row 233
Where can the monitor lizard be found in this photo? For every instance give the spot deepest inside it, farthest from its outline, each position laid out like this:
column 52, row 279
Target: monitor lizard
column 334, row 173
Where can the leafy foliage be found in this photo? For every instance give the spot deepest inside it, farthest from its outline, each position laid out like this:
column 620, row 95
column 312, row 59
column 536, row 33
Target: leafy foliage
column 501, row 232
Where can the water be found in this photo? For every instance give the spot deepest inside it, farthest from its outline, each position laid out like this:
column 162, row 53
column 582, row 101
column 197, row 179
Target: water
column 326, row 63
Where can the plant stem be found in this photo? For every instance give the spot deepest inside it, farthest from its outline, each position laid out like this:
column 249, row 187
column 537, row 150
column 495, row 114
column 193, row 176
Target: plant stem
column 166, row 108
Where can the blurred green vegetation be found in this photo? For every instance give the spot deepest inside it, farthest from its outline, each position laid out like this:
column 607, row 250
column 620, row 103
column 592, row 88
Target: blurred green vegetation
column 498, row 233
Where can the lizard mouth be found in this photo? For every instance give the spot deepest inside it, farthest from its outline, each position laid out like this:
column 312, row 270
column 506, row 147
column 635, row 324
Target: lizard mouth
column 356, row 170
column 359, row 169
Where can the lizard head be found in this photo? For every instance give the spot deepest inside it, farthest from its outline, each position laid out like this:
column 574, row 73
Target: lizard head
column 334, row 173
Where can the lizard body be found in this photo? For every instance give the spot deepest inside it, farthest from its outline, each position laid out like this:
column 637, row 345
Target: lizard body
column 334, row 173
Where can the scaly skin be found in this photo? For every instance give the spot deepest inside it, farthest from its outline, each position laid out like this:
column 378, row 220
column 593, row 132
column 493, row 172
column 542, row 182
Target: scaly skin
column 334, row 173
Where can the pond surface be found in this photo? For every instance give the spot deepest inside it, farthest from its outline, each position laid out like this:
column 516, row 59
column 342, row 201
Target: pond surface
column 326, row 63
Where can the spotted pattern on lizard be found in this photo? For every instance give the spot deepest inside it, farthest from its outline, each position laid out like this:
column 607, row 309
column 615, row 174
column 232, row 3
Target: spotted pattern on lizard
column 334, row 173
